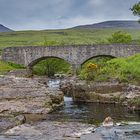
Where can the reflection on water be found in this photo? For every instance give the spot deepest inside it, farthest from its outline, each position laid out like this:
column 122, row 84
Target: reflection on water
column 92, row 112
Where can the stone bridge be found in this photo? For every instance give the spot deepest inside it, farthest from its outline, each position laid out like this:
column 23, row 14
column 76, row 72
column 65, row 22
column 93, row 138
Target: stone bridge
column 75, row 55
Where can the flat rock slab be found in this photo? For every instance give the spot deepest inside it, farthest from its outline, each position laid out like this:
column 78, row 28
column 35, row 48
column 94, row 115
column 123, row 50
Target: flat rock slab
column 48, row 130
column 27, row 95
column 33, row 105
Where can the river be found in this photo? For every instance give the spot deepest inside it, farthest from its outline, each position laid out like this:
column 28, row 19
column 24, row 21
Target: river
column 95, row 113
column 92, row 113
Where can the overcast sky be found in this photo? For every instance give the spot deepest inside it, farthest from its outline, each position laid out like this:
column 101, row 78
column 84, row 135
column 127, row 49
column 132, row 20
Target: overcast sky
column 52, row 14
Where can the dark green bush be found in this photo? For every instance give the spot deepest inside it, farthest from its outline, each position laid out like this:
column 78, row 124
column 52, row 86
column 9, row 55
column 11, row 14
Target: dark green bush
column 120, row 37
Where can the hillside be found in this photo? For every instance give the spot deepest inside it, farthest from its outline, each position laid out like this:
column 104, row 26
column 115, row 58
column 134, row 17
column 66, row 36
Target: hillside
column 62, row 37
column 4, row 29
column 112, row 24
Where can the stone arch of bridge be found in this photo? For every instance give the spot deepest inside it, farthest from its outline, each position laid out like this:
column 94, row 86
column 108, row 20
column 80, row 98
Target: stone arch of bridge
column 92, row 57
column 34, row 62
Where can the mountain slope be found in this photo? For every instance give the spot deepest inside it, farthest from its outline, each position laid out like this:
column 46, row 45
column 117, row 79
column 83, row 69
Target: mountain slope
column 4, row 29
column 113, row 24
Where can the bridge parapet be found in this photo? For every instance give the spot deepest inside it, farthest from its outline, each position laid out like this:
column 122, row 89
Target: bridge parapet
column 75, row 55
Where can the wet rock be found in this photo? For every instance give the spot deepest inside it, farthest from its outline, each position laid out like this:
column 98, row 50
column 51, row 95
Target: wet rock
column 51, row 130
column 108, row 122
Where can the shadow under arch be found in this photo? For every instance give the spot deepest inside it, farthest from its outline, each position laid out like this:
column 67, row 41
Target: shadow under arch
column 48, row 68
column 34, row 62
column 97, row 56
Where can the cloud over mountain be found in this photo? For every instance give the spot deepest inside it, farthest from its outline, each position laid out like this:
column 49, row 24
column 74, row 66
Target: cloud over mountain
column 43, row 14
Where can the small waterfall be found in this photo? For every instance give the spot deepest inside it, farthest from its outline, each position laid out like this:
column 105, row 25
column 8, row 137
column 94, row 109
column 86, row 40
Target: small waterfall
column 54, row 83
column 68, row 99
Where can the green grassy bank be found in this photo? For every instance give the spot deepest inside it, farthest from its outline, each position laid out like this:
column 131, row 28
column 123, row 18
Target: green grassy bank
column 120, row 69
column 8, row 66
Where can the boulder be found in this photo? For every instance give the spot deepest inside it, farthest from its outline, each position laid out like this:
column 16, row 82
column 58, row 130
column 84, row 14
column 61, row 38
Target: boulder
column 108, row 122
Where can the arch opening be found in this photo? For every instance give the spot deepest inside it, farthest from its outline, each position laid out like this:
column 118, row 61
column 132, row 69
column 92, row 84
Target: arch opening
column 50, row 66
column 98, row 59
column 91, row 69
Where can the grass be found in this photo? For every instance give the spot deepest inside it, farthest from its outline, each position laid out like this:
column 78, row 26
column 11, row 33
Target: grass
column 8, row 66
column 124, row 69
column 61, row 37
column 121, row 69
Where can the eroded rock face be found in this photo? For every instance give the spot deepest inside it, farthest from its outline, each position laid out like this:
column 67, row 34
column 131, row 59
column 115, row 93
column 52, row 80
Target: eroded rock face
column 103, row 92
column 82, row 91
column 26, row 95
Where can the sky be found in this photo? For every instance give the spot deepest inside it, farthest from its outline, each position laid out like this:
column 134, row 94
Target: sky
column 58, row 14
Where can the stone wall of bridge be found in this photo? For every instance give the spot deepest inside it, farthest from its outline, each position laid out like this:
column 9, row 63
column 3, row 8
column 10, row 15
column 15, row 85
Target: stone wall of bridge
column 75, row 55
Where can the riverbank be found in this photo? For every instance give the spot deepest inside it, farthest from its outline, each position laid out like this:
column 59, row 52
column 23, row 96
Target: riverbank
column 103, row 92
column 20, row 96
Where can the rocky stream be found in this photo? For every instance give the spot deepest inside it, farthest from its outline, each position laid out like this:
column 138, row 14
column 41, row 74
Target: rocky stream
column 36, row 108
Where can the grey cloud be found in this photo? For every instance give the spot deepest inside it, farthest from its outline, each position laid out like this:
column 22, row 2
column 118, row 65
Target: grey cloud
column 43, row 14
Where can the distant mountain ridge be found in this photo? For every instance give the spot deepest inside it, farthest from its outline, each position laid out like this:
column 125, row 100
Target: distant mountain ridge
column 4, row 29
column 113, row 24
column 101, row 25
